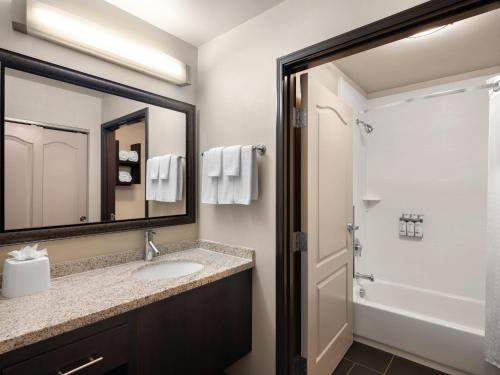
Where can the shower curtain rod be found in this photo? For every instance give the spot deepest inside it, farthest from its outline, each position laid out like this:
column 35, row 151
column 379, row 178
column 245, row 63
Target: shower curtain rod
column 495, row 86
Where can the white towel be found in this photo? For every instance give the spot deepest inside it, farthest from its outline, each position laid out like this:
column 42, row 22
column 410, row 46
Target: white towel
column 180, row 178
column 213, row 160
column 208, row 183
column 164, row 167
column 231, row 160
column 225, row 189
column 123, row 155
column 133, row 156
column 167, row 189
column 151, row 182
column 124, row 176
column 246, row 185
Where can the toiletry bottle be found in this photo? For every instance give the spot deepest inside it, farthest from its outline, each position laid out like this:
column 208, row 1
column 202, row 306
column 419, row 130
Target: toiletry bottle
column 419, row 224
column 410, row 227
column 402, row 225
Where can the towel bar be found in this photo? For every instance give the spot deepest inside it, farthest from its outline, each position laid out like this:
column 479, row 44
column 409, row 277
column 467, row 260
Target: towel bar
column 261, row 149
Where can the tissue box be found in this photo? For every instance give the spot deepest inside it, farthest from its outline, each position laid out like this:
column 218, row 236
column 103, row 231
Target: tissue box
column 25, row 277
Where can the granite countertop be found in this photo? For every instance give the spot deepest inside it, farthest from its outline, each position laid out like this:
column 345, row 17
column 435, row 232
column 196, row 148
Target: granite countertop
column 80, row 299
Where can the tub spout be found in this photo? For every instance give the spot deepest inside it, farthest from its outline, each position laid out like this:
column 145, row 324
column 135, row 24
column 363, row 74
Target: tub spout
column 370, row 277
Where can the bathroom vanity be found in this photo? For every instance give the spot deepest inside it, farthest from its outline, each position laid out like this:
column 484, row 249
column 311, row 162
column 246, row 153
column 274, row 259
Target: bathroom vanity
column 195, row 324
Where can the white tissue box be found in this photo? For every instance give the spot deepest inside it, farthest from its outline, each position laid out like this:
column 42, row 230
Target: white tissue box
column 25, row 277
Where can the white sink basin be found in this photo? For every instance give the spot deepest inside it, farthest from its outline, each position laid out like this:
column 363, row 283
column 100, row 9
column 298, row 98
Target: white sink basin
column 167, row 270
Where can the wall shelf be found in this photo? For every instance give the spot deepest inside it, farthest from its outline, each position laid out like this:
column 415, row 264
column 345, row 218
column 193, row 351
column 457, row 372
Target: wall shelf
column 135, row 166
column 371, row 199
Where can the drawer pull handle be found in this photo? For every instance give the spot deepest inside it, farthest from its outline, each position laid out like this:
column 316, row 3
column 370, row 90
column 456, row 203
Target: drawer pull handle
column 91, row 362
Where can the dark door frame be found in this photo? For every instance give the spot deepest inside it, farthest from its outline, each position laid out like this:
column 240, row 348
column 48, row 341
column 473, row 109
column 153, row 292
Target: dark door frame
column 108, row 167
column 389, row 29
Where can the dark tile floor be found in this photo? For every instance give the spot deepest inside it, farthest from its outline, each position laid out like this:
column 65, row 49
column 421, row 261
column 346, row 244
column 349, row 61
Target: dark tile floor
column 362, row 359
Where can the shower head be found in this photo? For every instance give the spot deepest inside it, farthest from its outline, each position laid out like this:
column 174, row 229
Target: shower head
column 368, row 128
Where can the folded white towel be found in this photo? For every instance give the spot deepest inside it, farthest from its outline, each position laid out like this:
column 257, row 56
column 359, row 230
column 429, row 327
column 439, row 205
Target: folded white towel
column 208, row 183
column 213, row 160
column 231, row 160
column 246, row 185
column 152, row 183
column 133, row 156
column 180, row 178
column 153, row 166
column 225, row 189
column 167, row 189
column 164, row 167
column 124, row 176
column 123, row 155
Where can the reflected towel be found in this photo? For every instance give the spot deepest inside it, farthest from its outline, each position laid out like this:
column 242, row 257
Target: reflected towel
column 124, row 176
column 164, row 168
column 133, row 156
column 208, row 183
column 246, row 185
column 167, row 189
column 213, row 160
column 231, row 160
column 123, row 155
column 152, row 183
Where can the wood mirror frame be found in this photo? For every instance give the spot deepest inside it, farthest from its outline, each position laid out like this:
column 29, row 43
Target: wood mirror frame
column 45, row 69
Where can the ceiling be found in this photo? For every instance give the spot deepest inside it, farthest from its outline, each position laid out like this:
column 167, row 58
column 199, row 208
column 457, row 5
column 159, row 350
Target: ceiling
column 465, row 46
column 195, row 21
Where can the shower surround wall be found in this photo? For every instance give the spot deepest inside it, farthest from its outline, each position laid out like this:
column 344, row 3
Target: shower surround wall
column 429, row 157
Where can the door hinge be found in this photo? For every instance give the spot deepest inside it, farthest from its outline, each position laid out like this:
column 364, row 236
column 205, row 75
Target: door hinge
column 299, row 365
column 300, row 241
column 300, row 118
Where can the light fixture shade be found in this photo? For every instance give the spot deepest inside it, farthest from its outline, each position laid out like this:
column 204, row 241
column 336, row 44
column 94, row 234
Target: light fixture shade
column 47, row 22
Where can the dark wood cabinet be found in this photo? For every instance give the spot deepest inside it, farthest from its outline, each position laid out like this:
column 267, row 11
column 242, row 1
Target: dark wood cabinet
column 201, row 331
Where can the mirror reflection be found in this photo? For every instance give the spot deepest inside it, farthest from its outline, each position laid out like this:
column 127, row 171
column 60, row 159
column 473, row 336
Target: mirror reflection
column 75, row 155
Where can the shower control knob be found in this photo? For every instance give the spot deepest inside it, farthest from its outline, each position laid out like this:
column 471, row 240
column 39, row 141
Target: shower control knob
column 351, row 227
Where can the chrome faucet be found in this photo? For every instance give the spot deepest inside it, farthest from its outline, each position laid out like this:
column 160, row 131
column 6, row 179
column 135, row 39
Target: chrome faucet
column 150, row 251
column 370, row 277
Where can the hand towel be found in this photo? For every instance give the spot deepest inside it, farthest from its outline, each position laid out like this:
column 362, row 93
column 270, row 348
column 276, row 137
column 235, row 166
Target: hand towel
column 151, row 183
column 124, row 176
column 208, row 183
column 231, row 157
column 167, row 189
column 246, row 185
column 133, row 156
column 123, row 155
column 213, row 160
column 164, row 167
column 180, row 178
column 225, row 189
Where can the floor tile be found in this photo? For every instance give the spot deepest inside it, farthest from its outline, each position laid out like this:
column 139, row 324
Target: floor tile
column 373, row 358
column 401, row 366
column 361, row 370
column 343, row 367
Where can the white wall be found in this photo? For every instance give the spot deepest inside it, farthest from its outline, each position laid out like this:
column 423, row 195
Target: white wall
column 139, row 30
column 429, row 157
column 237, row 104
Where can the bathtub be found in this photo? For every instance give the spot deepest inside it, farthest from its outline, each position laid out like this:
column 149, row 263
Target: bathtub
column 437, row 329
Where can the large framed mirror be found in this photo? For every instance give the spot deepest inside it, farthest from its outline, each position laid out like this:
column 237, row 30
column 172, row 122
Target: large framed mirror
column 83, row 155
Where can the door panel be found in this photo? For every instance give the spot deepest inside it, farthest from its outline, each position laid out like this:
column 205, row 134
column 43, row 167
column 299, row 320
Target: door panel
column 22, row 176
column 64, row 177
column 328, row 315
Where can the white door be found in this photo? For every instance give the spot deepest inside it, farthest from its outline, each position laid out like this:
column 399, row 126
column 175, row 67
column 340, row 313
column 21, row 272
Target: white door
column 45, row 177
column 23, row 167
column 328, row 270
column 64, row 178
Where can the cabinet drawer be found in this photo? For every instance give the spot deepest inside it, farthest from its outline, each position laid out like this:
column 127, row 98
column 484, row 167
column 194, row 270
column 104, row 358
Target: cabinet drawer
column 94, row 355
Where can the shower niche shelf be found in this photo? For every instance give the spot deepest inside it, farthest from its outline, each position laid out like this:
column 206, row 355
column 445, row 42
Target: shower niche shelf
column 370, row 199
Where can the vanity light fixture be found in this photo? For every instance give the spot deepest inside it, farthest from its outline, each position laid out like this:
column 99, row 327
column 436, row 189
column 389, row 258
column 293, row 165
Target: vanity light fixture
column 56, row 25
column 428, row 32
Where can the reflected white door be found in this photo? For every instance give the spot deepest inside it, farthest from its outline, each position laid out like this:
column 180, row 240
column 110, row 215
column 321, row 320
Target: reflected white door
column 328, row 314
column 64, row 178
column 23, row 167
column 45, row 177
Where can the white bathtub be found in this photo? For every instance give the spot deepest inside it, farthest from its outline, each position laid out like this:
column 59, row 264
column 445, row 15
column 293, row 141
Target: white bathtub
column 437, row 328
